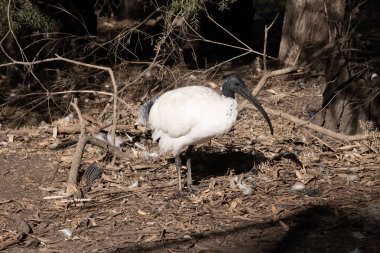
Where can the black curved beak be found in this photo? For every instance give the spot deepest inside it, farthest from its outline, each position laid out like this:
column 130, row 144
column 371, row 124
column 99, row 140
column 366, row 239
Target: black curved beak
column 247, row 95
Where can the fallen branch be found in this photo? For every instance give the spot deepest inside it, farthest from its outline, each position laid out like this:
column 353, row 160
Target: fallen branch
column 322, row 130
column 134, row 189
column 72, row 130
column 264, row 79
column 4, row 245
column 63, row 130
column 300, row 122
column 71, row 187
column 23, row 132
column 267, row 75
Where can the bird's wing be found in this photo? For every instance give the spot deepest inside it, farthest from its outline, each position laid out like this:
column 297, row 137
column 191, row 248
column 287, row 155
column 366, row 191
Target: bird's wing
column 178, row 112
column 173, row 113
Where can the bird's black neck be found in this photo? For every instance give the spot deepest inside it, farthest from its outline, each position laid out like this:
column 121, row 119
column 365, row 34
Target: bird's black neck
column 227, row 92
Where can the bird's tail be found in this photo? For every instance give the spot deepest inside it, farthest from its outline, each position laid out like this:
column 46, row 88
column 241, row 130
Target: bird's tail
column 143, row 113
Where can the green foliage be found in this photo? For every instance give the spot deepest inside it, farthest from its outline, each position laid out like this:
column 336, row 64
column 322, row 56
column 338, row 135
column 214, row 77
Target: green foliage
column 188, row 9
column 31, row 16
column 24, row 16
column 223, row 4
column 185, row 7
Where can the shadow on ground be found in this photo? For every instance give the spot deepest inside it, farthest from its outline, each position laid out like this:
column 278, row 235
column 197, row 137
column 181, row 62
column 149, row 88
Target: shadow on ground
column 316, row 229
column 213, row 163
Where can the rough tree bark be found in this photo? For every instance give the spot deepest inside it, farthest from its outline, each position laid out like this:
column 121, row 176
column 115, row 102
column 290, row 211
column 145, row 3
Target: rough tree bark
column 309, row 25
column 350, row 95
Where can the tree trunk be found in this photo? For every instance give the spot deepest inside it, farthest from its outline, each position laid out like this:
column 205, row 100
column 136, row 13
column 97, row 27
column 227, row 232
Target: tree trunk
column 312, row 26
column 309, row 25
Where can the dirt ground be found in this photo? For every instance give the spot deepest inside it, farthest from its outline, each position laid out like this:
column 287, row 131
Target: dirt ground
column 246, row 197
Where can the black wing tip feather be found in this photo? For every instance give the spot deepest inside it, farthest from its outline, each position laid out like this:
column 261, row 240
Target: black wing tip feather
column 144, row 110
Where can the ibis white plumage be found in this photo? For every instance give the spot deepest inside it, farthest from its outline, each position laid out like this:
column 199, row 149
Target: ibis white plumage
column 184, row 117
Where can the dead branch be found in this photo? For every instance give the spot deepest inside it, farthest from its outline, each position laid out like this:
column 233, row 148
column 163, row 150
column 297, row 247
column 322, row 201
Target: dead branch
column 61, row 130
column 289, row 69
column 23, row 132
column 107, row 146
column 138, row 189
column 107, row 69
column 77, row 157
column 265, row 42
column 245, row 46
column 242, row 46
column 4, row 245
column 298, row 121
column 267, row 75
column 322, row 130
column 115, row 92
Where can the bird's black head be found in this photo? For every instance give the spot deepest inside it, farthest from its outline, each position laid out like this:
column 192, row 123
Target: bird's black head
column 233, row 84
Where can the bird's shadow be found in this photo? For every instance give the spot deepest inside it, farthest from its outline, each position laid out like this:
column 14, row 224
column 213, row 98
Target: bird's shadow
column 207, row 163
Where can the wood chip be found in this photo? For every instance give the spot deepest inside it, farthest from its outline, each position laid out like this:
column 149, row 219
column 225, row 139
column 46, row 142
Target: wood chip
column 142, row 212
column 233, row 204
column 284, row 226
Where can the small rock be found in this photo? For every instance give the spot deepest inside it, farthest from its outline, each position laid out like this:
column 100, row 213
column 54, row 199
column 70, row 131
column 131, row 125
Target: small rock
column 298, row 187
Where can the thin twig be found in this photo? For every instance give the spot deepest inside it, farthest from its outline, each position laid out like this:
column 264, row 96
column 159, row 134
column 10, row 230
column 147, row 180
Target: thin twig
column 248, row 48
column 265, row 42
column 244, row 46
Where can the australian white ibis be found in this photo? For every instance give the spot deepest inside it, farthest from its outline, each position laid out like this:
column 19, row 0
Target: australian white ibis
column 184, row 117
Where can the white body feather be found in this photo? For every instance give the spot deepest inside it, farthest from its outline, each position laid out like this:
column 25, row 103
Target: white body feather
column 189, row 116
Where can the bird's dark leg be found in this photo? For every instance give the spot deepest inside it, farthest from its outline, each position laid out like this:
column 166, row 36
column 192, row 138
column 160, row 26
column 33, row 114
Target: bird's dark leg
column 188, row 166
column 178, row 165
